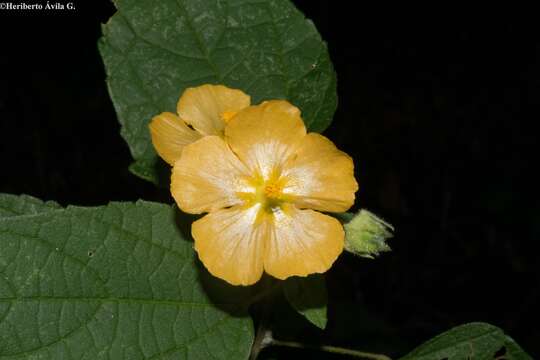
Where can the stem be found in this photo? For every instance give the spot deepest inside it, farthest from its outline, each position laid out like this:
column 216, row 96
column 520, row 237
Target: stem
column 332, row 349
column 261, row 336
column 258, row 343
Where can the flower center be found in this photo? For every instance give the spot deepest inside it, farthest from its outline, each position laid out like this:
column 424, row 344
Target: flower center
column 272, row 191
column 269, row 195
column 268, row 192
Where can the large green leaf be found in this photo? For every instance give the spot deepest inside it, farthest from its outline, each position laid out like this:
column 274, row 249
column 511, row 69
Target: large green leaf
column 112, row 282
column 13, row 205
column 308, row 296
column 474, row 341
column 154, row 49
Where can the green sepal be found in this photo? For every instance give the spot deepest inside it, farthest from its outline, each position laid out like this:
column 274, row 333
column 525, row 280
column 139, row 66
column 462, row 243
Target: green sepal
column 366, row 234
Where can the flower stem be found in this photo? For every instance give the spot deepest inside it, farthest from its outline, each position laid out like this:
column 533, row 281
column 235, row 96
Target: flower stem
column 331, row 349
column 265, row 299
column 258, row 343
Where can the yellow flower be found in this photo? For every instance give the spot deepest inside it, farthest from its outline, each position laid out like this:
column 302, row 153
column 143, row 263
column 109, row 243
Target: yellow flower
column 260, row 184
column 202, row 111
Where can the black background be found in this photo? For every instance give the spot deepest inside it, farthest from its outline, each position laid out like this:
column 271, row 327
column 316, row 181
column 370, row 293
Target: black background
column 438, row 115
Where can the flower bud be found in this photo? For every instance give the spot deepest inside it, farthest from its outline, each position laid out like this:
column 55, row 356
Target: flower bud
column 366, row 234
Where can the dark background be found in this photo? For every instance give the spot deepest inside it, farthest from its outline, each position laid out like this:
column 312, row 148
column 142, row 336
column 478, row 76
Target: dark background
column 438, row 115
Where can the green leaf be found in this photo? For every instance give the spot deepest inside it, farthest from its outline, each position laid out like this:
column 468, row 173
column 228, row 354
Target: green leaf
column 308, row 296
column 474, row 341
column 514, row 351
column 153, row 50
column 113, row 282
column 13, row 205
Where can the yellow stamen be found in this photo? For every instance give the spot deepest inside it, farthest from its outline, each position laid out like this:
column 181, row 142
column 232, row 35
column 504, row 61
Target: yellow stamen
column 226, row 116
column 268, row 192
column 272, row 191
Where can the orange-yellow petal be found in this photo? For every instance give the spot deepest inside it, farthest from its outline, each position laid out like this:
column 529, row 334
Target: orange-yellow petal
column 230, row 245
column 320, row 176
column 208, row 176
column 204, row 107
column 264, row 136
column 169, row 135
column 302, row 242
